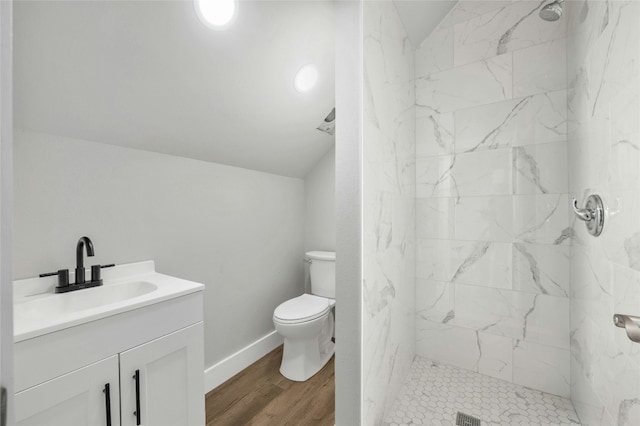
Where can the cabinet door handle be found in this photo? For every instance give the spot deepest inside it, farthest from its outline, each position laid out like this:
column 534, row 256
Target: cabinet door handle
column 136, row 413
column 107, row 402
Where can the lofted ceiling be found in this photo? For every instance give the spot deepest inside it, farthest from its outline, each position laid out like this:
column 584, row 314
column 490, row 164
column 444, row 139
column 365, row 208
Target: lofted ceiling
column 149, row 75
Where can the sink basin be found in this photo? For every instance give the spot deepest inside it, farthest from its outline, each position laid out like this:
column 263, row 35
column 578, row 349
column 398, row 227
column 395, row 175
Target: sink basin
column 65, row 303
column 38, row 310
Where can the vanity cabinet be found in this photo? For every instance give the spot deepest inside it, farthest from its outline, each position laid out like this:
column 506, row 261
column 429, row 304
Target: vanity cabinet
column 158, row 383
column 76, row 398
column 162, row 381
column 149, row 348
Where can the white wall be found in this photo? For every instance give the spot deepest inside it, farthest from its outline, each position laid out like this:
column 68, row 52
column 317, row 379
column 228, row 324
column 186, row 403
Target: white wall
column 348, row 358
column 6, row 128
column 235, row 230
column 320, row 205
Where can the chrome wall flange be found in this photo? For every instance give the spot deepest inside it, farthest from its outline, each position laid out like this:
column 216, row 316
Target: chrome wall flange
column 592, row 214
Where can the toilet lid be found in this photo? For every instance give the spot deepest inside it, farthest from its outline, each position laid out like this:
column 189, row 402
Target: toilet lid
column 302, row 308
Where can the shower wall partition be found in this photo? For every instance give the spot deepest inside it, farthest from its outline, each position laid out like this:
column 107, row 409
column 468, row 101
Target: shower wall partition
column 480, row 136
column 389, row 209
column 604, row 157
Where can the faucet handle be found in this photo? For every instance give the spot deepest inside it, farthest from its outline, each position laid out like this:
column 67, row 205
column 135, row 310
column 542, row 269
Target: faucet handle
column 63, row 277
column 95, row 271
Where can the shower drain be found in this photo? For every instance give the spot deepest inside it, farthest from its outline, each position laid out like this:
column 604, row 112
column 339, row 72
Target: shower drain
column 466, row 420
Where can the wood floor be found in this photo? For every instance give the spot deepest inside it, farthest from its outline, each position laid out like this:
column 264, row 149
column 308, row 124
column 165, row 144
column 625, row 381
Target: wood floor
column 260, row 395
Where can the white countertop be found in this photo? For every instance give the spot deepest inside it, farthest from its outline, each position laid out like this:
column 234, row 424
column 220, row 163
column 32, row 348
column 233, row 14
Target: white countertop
column 38, row 310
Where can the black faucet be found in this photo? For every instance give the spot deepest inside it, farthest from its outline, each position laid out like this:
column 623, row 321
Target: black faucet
column 82, row 243
column 81, row 282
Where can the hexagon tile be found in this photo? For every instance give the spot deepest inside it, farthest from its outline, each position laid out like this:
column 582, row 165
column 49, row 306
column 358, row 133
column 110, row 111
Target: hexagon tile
column 435, row 393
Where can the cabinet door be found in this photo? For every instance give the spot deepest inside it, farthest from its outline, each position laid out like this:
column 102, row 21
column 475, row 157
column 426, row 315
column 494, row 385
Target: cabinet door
column 74, row 399
column 170, row 380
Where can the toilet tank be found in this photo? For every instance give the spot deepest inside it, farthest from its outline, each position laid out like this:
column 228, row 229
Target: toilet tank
column 323, row 273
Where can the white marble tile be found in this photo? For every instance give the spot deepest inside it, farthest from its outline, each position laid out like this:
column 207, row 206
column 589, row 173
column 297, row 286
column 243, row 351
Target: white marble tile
column 585, row 401
column 539, row 69
column 447, row 343
column 540, row 169
column 491, row 310
column 626, row 290
column 523, row 121
column 476, row 173
column 542, row 367
column 436, row 51
column 479, row 263
column 541, row 268
column 542, row 120
column 483, row 173
column 434, row 177
column 603, row 57
column 533, row 317
column 388, row 324
column 591, row 284
column 434, row 135
column 496, row 359
column 465, row 10
column 433, row 217
column 484, row 219
column 546, row 321
column 516, row 26
column 621, row 237
column 434, row 301
column 541, row 219
column 466, row 86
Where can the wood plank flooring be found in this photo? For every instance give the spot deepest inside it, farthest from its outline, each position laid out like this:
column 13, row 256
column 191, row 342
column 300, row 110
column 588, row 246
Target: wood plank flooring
column 260, row 395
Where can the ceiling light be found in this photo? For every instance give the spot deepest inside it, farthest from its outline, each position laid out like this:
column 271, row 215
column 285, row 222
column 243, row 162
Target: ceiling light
column 216, row 14
column 306, row 78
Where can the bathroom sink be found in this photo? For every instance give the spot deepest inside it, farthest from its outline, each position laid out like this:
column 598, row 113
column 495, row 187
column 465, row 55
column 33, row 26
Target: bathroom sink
column 64, row 303
column 38, row 310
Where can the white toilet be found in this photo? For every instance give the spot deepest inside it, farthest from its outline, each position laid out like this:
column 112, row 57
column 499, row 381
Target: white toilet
column 306, row 322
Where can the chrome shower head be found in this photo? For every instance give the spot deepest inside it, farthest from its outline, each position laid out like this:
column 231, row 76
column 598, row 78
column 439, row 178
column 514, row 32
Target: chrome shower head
column 552, row 11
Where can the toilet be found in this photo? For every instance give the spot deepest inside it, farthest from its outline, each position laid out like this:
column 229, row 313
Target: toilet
column 306, row 322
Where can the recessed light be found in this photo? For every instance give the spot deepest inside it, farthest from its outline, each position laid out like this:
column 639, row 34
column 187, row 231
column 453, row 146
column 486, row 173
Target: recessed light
column 306, row 78
column 216, row 14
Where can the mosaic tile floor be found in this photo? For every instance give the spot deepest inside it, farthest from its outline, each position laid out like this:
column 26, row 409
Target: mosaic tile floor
column 435, row 393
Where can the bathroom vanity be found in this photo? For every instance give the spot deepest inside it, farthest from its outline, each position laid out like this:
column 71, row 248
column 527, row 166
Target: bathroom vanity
column 129, row 352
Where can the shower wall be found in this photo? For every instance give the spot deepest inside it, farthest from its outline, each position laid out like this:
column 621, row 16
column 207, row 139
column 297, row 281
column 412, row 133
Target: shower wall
column 493, row 225
column 388, row 322
column 604, row 151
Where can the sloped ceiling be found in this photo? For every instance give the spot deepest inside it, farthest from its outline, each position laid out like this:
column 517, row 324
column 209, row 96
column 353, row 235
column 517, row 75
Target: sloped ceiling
column 149, row 75
column 421, row 17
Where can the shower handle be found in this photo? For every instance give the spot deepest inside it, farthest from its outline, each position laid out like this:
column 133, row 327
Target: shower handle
column 630, row 324
column 592, row 214
column 583, row 214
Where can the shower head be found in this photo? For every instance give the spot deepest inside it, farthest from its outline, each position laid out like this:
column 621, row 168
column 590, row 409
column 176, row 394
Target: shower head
column 552, row 11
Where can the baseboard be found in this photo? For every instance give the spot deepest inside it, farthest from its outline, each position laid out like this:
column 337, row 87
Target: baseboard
column 222, row 371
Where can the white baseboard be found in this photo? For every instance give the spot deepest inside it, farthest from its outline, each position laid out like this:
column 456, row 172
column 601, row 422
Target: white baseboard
column 219, row 373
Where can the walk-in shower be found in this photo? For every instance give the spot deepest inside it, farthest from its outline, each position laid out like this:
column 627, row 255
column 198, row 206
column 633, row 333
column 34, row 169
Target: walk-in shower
column 482, row 294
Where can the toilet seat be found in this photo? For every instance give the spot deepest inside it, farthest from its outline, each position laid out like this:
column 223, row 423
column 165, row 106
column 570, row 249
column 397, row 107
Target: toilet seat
column 302, row 309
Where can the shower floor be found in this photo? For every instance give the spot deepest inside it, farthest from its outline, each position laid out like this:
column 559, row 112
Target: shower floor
column 435, row 393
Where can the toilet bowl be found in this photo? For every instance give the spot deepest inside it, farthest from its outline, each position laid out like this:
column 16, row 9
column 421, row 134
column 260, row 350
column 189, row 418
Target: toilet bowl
column 306, row 323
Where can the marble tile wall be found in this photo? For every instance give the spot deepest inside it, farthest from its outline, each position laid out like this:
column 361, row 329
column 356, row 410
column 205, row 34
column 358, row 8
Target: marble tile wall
column 492, row 218
column 388, row 318
column 603, row 60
